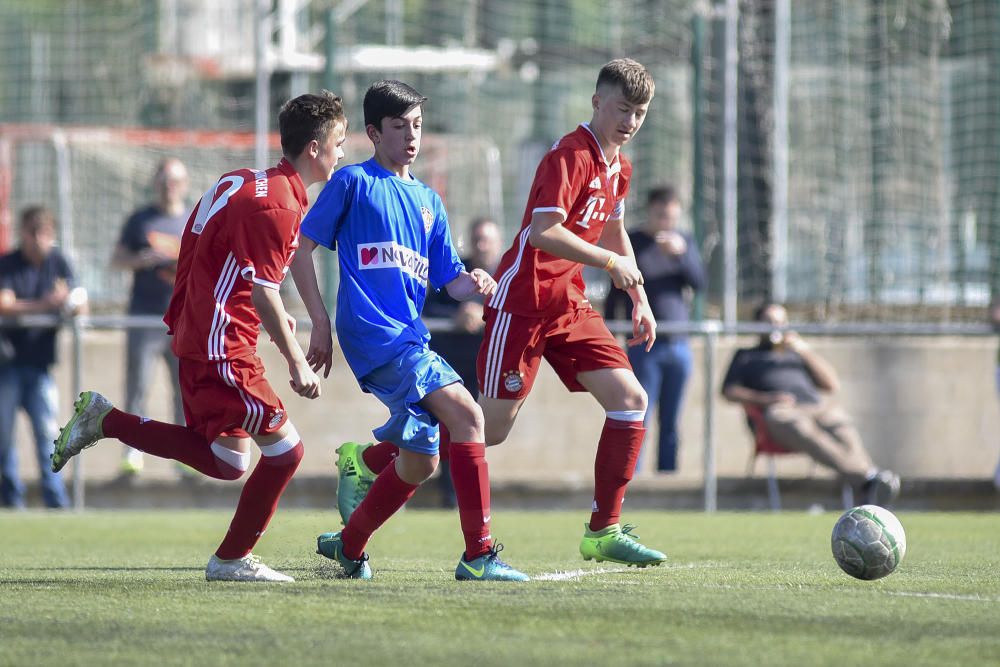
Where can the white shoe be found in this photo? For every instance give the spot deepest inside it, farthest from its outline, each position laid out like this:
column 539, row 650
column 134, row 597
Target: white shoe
column 248, row 568
column 132, row 462
column 82, row 430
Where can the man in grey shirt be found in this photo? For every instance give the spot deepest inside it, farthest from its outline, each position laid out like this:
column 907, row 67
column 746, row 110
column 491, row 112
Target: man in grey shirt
column 148, row 246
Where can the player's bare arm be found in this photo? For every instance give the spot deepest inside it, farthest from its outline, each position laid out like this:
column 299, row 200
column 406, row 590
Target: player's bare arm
column 548, row 234
column 470, row 284
column 274, row 318
column 320, row 353
column 615, row 238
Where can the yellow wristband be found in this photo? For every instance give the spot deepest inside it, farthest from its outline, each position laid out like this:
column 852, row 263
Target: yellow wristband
column 611, row 262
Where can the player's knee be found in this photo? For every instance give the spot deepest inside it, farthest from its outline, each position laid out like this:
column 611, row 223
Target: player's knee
column 286, row 452
column 636, row 399
column 494, row 436
column 230, row 464
column 415, row 468
column 475, row 423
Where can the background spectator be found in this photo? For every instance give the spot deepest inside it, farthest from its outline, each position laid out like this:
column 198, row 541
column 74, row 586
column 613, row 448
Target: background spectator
column 672, row 271
column 789, row 382
column 148, row 246
column 460, row 347
column 34, row 279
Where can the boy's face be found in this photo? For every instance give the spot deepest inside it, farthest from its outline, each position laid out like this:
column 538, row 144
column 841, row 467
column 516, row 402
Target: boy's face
column 615, row 118
column 329, row 153
column 398, row 140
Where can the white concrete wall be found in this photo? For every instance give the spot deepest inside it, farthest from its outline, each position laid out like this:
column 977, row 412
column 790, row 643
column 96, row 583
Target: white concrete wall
column 926, row 407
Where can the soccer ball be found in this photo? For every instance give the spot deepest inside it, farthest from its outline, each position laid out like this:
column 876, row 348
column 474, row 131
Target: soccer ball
column 868, row 542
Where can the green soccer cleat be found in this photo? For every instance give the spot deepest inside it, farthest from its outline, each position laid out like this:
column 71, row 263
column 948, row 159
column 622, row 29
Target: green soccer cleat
column 354, row 479
column 331, row 546
column 83, row 429
column 487, row 567
column 618, row 545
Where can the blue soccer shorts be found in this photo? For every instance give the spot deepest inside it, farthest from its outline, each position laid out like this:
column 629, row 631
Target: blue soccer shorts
column 401, row 384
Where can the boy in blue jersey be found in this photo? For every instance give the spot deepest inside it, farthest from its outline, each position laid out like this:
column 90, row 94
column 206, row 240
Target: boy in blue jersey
column 392, row 234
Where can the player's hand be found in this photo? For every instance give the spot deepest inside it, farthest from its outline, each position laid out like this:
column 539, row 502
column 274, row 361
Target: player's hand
column 320, row 353
column 484, row 282
column 304, row 381
column 643, row 327
column 625, row 274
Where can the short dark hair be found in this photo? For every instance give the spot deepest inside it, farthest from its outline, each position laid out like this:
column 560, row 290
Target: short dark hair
column 37, row 216
column 762, row 307
column 634, row 80
column 662, row 194
column 306, row 118
column 389, row 99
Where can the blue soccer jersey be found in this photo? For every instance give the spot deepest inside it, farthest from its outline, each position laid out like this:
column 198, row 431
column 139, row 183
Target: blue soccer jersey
column 392, row 239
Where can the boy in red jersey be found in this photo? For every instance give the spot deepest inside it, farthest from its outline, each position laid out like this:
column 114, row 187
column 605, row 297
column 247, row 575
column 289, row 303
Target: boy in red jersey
column 236, row 248
column 575, row 218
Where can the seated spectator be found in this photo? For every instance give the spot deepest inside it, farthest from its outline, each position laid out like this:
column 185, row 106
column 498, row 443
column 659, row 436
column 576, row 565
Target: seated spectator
column 790, row 383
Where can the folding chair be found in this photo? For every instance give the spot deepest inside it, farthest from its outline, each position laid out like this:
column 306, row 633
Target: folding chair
column 764, row 445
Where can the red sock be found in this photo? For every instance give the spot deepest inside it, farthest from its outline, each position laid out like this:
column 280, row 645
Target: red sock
column 258, row 502
column 377, row 457
column 168, row 441
column 387, row 495
column 471, row 478
column 617, row 452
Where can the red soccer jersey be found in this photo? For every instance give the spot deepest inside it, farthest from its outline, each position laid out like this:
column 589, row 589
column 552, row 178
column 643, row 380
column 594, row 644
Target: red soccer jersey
column 575, row 181
column 245, row 230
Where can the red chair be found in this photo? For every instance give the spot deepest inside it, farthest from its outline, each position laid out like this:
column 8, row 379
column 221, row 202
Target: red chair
column 764, row 445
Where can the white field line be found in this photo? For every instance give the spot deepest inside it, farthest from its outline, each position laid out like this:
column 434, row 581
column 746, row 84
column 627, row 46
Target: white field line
column 579, row 574
column 572, row 575
column 943, row 596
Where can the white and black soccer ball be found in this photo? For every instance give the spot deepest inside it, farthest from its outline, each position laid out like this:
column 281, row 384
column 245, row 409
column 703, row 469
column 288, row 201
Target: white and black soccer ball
column 868, row 542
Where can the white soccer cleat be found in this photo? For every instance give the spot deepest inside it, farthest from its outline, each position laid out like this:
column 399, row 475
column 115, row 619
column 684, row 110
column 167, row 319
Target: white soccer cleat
column 82, row 430
column 248, row 568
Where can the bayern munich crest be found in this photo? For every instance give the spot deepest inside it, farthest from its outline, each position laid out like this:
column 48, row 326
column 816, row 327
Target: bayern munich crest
column 428, row 218
column 513, row 381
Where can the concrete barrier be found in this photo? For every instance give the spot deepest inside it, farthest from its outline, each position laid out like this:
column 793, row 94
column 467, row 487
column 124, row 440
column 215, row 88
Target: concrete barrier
column 926, row 407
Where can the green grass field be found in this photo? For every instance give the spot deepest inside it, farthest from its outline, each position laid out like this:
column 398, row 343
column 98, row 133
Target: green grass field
column 103, row 588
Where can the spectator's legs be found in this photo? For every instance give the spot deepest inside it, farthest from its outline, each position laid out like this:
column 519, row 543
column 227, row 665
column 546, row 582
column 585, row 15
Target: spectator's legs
column 675, row 369
column 11, row 488
column 173, row 366
column 795, row 427
column 39, row 400
column 646, row 366
column 139, row 351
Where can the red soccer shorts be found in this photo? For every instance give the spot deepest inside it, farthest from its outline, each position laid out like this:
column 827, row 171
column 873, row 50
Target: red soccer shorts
column 513, row 348
column 229, row 398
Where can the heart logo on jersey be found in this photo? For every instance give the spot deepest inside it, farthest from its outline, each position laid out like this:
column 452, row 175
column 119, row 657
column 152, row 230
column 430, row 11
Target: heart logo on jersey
column 368, row 255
